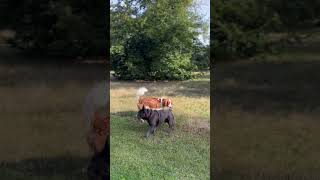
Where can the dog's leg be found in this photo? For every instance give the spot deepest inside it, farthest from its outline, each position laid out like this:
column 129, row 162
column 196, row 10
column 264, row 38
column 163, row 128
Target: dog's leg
column 171, row 123
column 148, row 132
column 151, row 130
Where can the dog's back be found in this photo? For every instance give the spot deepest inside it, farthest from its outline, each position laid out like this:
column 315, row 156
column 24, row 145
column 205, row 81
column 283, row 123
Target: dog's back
column 151, row 102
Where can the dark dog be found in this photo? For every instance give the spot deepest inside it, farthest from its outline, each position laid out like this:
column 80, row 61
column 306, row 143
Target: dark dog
column 98, row 168
column 156, row 118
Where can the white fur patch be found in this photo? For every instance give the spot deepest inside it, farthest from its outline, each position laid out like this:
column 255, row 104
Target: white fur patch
column 141, row 91
column 95, row 101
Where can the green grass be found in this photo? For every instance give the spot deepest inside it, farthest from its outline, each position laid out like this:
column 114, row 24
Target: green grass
column 182, row 154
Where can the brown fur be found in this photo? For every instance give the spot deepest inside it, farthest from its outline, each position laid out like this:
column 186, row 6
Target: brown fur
column 153, row 103
column 98, row 133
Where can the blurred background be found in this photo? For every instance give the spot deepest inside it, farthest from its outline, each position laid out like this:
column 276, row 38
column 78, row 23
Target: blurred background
column 51, row 54
column 264, row 98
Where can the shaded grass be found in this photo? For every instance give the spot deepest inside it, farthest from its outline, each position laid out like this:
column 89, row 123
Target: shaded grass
column 271, row 144
column 42, row 126
column 182, row 154
column 266, row 115
column 61, row 167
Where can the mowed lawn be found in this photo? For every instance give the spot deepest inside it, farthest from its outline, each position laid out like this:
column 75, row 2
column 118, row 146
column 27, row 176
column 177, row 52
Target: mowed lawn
column 266, row 116
column 42, row 126
column 183, row 154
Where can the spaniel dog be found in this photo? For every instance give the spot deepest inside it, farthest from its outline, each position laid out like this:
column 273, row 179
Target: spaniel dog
column 95, row 112
column 152, row 102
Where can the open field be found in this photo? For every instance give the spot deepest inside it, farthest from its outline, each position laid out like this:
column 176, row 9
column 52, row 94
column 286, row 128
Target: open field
column 184, row 154
column 42, row 127
column 266, row 116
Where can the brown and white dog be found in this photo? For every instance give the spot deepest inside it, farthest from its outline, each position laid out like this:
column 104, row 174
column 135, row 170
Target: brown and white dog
column 98, row 133
column 95, row 109
column 152, row 102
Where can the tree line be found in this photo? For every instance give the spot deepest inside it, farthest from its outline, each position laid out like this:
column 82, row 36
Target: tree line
column 149, row 39
column 156, row 39
column 242, row 28
column 67, row 28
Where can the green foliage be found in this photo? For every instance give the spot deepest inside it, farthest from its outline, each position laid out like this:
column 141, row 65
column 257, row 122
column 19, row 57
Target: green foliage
column 157, row 40
column 64, row 27
column 200, row 56
column 240, row 27
column 294, row 13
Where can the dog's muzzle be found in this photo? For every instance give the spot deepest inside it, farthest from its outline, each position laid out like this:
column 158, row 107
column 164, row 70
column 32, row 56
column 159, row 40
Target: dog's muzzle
column 139, row 119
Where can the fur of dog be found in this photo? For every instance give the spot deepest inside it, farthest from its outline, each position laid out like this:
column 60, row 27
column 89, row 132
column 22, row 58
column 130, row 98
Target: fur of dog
column 99, row 165
column 98, row 133
column 155, row 118
column 152, row 102
column 95, row 110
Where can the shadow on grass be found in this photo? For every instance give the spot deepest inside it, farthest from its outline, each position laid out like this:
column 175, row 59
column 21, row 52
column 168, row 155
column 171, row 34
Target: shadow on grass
column 226, row 175
column 20, row 70
column 198, row 88
column 192, row 89
column 125, row 113
column 63, row 166
column 268, row 86
column 244, row 89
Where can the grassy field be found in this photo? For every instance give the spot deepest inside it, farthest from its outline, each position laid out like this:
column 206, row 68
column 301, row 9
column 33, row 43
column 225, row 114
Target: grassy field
column 266, row 116
column 184, row 154
column 42, row 126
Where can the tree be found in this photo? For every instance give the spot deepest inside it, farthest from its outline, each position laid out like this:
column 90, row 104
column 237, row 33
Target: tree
column 200, row 55
column 157, row 40
column 63, row 27
column 240, row 28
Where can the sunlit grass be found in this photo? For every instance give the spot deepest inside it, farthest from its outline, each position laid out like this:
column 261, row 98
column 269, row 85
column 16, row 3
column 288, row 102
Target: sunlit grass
column 183, row 154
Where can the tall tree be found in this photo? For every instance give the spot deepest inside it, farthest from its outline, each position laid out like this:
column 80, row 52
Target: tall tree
column 160, row 44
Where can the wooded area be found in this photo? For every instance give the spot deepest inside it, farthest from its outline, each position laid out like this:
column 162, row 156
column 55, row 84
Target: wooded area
column 67, row 28
column 157, row 39
column 244, row 28
column 149, row 39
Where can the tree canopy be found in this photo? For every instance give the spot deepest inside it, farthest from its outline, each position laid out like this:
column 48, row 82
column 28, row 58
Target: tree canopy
column 240, row 28
column 62, row 27
column 153, row 39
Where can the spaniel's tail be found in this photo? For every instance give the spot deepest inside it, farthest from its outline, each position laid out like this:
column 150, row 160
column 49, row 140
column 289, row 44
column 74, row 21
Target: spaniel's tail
column 141, row 91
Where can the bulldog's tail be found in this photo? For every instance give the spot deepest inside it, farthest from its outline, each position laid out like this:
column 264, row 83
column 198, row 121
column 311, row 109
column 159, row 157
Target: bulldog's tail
column 141, row 91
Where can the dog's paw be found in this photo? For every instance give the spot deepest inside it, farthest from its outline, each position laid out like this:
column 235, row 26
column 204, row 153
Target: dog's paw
column 147, row 135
